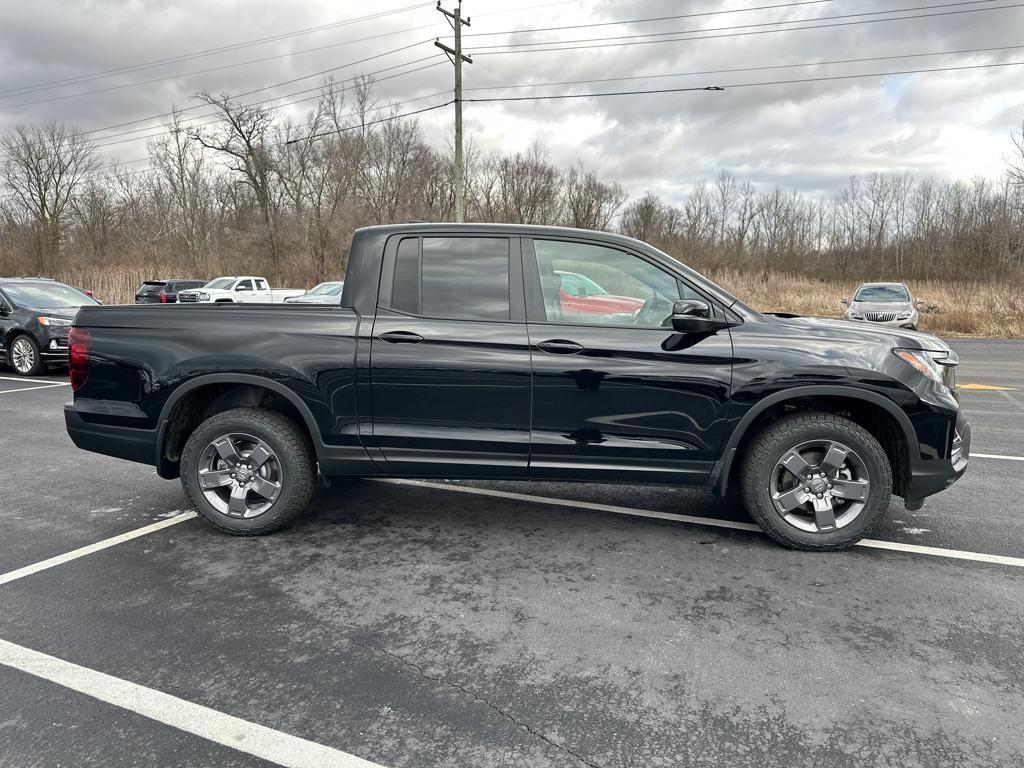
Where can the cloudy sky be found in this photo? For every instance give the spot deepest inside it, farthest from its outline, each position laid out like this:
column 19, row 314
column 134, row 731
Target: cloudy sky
column 102, row 63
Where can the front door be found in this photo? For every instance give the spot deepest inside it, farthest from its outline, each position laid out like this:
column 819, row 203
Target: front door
column 449, row 358
column 618, row 394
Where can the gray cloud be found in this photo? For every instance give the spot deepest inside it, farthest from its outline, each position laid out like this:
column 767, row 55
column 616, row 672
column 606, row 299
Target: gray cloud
column 811, row 136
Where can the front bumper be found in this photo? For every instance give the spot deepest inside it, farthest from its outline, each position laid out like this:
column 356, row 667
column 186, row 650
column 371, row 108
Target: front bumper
column 53, row 347
column 929, row 476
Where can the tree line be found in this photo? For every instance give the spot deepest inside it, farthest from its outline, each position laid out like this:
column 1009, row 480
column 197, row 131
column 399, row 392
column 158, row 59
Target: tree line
column 253, row 190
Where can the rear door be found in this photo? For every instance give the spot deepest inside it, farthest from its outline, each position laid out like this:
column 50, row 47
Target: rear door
column 617, row 393
column 450, row 363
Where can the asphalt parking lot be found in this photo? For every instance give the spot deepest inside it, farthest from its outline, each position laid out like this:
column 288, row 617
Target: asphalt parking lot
column 499, row 624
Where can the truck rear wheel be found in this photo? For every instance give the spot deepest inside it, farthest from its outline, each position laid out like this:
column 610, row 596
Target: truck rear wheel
column 816, row 481
column 248, row 471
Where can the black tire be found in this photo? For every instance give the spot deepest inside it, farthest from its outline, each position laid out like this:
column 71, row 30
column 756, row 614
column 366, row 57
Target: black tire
column 24, row 339
column 293, row 455
column 776, row 441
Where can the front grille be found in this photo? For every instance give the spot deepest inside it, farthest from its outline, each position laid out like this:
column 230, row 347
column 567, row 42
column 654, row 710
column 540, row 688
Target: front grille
column 881, row 317
column 187, row 297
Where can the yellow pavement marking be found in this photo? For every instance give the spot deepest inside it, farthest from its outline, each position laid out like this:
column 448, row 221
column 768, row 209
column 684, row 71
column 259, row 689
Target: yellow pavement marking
column 985, row 387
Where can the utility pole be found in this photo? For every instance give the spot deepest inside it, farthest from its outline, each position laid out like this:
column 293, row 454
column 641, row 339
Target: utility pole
column 455, row 55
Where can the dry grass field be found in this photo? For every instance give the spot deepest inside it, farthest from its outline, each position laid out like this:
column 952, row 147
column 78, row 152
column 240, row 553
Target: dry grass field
column 952, row 308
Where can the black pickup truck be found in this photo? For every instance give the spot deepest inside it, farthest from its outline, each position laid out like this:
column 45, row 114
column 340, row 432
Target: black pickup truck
column 521, row 352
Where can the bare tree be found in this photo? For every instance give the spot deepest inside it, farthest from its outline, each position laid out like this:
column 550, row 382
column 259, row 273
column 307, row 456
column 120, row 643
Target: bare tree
column 45, row 166
column 179, row 159
column 242, row 138
column 590, row 203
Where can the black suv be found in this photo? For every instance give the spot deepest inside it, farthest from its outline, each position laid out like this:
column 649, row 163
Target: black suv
column 164, row 291
column 35, row 315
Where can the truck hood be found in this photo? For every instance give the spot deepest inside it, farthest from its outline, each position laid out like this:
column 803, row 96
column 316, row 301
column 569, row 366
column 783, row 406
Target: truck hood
column 861, row 332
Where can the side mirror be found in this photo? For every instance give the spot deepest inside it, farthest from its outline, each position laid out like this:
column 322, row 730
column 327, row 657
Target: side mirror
column 581, row 292
column 694, row 316
column 4, row 310
column 844, row 302
column 241, row 288
column 918, row 302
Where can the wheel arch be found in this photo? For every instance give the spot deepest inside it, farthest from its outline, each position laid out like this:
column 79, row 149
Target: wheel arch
column 212, row 393
column 877, row 413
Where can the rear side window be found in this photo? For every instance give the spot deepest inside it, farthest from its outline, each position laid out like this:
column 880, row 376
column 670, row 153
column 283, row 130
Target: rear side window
column 462, row 278
column 261, row 285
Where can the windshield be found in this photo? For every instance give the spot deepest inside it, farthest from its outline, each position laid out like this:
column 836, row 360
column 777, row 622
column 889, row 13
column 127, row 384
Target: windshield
column 326, row 289
column 46, row 295
column 882, row 293
column 220, row 282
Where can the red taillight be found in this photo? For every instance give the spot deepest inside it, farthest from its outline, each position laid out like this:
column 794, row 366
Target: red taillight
column 79, row 343
column 163, row 298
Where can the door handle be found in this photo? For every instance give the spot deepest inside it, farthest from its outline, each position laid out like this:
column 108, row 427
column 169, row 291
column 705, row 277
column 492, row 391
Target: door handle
column 401, row 337
column 560, row 346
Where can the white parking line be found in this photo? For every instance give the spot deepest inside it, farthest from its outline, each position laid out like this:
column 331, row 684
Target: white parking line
column 74, row 554
column 276, row 746
column 37, row 386
column 996, row 456
column 23, row 379
column 954, row 554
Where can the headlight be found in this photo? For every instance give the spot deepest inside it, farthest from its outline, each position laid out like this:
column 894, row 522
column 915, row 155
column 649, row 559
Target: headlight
column 853, row 314
column 935, row 365
column 56, row 321
column 905, row 315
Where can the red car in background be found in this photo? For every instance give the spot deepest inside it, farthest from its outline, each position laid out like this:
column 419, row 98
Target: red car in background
column 582, row 296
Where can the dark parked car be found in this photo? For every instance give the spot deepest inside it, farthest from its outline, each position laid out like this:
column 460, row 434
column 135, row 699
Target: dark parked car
column 35, row 316
column 164, row 291
column 449, row 356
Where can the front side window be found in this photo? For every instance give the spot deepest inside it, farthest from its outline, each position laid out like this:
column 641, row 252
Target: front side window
column 585, row 284
column 245, row 285
column 460, row 278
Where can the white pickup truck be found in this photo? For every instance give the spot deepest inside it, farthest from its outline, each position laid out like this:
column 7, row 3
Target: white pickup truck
column 242, row 289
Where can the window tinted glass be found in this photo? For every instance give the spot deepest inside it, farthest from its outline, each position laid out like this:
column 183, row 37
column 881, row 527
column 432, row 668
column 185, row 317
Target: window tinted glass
column 459, row 278
column 220, row 282
column 405, row 293
column 591, row 284
column 245, row 285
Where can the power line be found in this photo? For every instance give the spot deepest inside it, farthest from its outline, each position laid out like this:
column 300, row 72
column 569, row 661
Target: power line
column 317, row 89
column 566, row 45
column 653, row 18
column 321, row 134
column 211, row 51
column 749, row 69
column 213, row 69
column 730, row 86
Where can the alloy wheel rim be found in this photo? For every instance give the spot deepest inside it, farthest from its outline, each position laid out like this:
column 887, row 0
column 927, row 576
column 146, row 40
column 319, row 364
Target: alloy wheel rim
column 23, row 357
column 240, row 475
column 820, row 486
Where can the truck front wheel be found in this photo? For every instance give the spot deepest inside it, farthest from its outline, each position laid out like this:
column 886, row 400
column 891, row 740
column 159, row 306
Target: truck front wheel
column 816, row 481
column 248, row 471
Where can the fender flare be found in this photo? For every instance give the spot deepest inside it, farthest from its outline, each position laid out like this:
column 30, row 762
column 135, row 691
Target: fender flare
column 231, row 378
column 720, row 473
